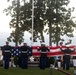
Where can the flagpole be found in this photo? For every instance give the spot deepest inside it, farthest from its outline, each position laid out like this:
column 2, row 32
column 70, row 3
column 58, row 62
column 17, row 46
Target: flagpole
column 32, row 20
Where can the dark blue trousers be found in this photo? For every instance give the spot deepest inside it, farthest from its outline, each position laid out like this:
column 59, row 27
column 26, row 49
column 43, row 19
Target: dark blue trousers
column 24, row 62
column 6, row 62
column 66, row 62
column 43, row 62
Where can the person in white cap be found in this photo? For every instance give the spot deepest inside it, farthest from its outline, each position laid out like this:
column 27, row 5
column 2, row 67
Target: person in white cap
column 66, row 57
column 24, row 55
column 6, row 52
column 43, row 57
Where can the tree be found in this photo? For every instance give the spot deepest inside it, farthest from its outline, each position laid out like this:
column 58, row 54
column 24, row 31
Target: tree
column 39, row 18
column 39, row 14
column 13, row 37
column 53, row 13
column 59, row 20
column 14, row 10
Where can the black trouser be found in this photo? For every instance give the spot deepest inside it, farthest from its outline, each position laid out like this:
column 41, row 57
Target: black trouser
column 66, row 62
column 24, row 61
column 43, row 62
column 6, row 62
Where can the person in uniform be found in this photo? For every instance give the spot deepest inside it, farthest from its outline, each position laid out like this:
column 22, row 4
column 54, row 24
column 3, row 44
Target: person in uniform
column 43, row 57
column 24, row 56
column 6, row 52
column 66, row 57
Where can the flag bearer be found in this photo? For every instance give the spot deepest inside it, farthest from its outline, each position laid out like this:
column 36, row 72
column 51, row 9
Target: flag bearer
column 66, row 57
column 6, row 51
column 43, row 57
column 24, row 56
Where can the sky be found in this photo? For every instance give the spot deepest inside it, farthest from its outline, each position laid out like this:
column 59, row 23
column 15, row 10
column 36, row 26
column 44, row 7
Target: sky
column 4, row 20
column 5, row 30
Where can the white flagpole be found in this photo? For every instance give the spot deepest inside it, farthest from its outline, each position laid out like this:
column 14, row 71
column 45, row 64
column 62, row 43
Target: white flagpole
column 32, row 20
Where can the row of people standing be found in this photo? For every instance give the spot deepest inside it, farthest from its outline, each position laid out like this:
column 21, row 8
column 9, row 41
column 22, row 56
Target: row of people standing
column 23, row 57
column 6, row 51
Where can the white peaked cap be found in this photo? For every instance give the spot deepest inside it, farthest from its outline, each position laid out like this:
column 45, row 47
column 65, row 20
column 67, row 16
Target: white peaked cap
column 43, row 43
column 67, row 45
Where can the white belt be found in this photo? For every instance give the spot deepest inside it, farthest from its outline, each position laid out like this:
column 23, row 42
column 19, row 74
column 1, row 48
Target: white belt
column 24, row 51
column 43, row 52
column 66, row 54
column 6, row 51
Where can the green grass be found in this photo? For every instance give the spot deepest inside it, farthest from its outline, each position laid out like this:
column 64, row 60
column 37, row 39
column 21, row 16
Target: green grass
column 30, row 71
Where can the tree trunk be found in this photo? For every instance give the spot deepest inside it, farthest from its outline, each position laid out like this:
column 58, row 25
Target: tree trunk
column 42, row 37
column 17, row 23
column 50, row 35
column 57, row 39
column 16, row 44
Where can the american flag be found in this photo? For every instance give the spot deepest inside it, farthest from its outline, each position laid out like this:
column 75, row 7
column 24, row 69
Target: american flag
column 54, row 51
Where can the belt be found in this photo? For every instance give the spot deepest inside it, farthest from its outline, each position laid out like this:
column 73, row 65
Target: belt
column 66, row 54
column 24, row 51
column 43, row 52
column 6, row 51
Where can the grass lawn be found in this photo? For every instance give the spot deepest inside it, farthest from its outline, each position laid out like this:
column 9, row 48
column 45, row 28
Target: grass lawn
column 30, row 71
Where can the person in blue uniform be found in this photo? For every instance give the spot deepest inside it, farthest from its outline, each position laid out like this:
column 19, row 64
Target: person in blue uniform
column 66, row 57
column 24, row 55
column 6, row 51
column 43, row 57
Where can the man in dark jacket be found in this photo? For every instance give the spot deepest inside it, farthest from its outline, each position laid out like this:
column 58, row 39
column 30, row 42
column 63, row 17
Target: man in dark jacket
column 6, row 51
column 43, row 57
column 66, row 57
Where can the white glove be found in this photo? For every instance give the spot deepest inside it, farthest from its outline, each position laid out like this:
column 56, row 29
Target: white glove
column 60, row 46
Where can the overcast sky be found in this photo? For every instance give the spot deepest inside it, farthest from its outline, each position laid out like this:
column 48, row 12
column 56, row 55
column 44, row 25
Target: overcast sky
column 5, row 30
